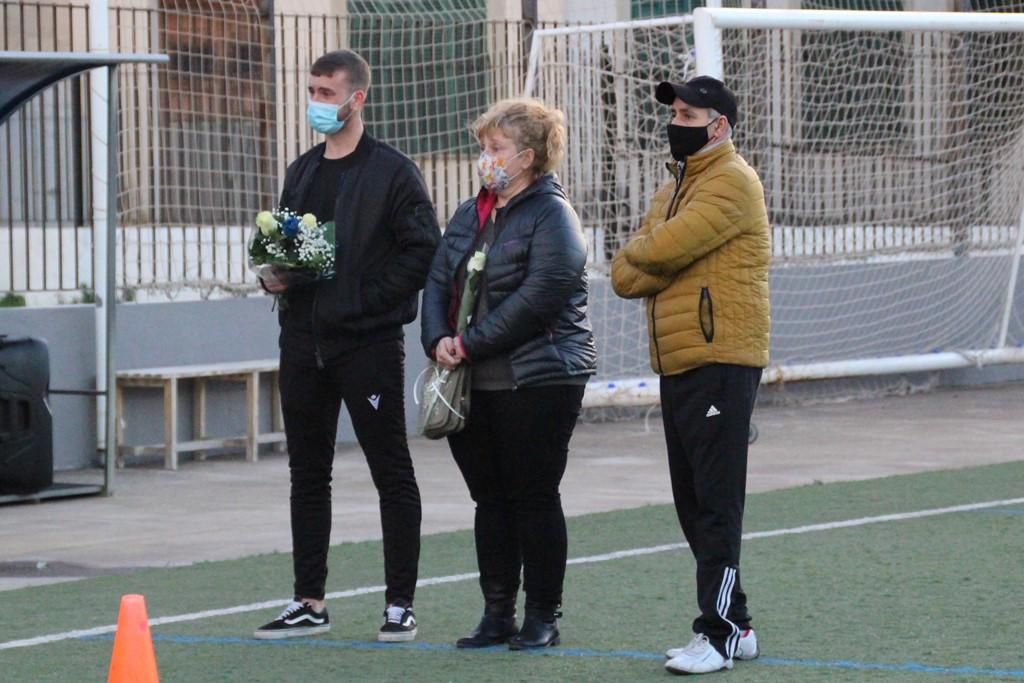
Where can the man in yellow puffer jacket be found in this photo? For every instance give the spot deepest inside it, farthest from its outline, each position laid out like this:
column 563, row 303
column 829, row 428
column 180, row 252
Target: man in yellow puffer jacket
column 700, row 259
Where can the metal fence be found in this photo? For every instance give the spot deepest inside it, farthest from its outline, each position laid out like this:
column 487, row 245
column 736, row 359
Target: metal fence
column 204, row 143
column 45, row 199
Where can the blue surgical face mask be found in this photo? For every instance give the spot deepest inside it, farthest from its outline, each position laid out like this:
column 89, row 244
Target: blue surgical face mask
column 323, row 116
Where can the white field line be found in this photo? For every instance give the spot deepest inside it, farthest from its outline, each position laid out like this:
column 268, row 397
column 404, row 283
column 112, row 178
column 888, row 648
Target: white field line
column 455, row 578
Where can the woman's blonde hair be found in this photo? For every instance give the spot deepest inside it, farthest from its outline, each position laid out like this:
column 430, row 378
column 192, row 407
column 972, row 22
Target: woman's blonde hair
column 530, row 125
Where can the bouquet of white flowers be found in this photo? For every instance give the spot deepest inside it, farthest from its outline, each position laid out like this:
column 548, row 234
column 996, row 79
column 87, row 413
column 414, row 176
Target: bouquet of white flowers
column 291, row 249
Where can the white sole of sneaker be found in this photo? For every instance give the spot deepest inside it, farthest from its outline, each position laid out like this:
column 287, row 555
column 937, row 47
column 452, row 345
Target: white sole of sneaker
column 684, row 672
column 676, row 651
column 403, row 637
column 671, row 654
column 291, row 633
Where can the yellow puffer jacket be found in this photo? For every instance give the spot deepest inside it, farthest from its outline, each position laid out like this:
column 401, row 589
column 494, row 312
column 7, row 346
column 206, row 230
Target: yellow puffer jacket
column 704, row 269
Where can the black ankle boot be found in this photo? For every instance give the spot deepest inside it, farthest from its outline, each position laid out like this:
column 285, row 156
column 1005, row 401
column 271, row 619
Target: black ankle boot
column 540, row 629
column 496, row 626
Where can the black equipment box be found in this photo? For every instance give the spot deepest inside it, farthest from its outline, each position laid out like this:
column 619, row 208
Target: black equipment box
column 26, row 423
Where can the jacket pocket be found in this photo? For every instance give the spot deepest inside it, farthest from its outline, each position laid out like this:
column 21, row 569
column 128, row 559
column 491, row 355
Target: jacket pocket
column 706, row 313
column 654, row 332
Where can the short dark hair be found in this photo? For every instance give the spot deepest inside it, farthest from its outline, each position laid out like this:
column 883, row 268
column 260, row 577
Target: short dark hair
column 355, row 67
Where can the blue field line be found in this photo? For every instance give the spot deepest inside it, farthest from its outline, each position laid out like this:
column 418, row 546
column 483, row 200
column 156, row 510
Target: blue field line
column 1003, row 512
column 316, row 643
column 908, row 667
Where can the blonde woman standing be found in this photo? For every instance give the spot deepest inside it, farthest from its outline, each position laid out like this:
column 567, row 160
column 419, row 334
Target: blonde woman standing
column 531, row 350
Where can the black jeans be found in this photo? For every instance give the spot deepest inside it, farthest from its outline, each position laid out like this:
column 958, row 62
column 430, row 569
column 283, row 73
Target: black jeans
column 512, row 454
column 707, row 422
column 370, row 380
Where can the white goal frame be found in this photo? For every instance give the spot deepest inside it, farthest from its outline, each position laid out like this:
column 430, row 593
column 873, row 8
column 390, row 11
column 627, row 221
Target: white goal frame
column 708, row 24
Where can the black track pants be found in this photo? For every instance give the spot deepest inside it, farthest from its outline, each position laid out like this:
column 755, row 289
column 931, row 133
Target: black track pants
column 707, row 421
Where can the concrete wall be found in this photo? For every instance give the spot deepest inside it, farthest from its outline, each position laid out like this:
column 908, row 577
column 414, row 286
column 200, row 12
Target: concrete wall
column 887, row 309
column 157, row 334
column 153, row 335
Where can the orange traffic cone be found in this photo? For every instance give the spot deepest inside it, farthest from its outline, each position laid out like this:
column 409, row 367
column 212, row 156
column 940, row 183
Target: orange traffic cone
column 133, row 660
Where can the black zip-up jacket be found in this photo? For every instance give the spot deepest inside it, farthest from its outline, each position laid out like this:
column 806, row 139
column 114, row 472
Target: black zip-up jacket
column 385, row 234
column 536, row 287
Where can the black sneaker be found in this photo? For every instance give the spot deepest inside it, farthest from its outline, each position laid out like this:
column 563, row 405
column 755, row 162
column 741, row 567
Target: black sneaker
column 399, row 625
column 297, row 619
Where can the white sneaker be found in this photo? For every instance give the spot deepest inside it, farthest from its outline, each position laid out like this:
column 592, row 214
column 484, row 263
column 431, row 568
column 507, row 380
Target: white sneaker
column 698, row 657
column 746, row 649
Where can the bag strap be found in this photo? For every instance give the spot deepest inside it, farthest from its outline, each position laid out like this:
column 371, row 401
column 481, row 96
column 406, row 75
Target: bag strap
column 485, row 203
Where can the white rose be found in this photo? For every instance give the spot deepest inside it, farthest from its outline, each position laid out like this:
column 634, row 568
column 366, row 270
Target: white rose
column 266, row 223
column 308, row 221
column 476, row 262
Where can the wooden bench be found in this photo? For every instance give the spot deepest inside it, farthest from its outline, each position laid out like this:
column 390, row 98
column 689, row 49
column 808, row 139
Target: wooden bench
column 168, row 379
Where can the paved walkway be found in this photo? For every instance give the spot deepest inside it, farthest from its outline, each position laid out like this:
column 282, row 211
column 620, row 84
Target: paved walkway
column 227, row 508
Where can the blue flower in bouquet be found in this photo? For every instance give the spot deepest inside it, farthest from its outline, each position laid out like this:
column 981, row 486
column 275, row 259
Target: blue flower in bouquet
column 290, row 226
column 285, row 241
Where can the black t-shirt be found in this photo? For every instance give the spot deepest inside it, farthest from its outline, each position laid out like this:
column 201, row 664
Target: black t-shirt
column 323, row 192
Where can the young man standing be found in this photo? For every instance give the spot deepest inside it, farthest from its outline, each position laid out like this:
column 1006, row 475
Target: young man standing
column 700, row 259
column 342, row 341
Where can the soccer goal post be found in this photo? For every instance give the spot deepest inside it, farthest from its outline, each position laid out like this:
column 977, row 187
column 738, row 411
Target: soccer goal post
column 891, row 147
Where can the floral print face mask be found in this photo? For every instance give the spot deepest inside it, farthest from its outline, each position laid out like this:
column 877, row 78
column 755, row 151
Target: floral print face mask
column 493, row 171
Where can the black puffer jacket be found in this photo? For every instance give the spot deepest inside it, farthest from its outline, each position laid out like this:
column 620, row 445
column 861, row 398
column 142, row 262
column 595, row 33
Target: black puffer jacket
column 536, row 287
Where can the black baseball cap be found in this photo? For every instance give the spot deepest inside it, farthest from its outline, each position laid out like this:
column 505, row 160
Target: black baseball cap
column 703, row 91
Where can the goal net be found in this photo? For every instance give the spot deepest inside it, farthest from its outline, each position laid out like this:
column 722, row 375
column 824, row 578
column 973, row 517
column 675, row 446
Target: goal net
column 893, row 165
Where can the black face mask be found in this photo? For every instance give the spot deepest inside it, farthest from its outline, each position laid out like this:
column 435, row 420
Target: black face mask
column 685, row 141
